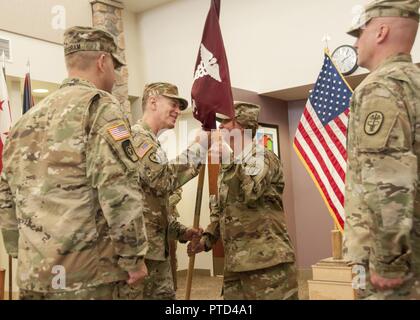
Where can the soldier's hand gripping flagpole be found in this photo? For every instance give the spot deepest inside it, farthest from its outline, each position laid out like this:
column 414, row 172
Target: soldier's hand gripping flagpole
column 211, row 93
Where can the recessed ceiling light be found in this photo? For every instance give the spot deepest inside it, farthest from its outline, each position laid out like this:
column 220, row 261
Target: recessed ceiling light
column 40, row 91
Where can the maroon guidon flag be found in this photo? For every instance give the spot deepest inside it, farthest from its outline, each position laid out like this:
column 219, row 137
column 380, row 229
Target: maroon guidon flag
column 211, row 91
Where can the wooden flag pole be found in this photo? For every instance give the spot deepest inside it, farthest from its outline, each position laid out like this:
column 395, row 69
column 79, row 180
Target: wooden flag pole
column 10, row 278
column 337, row 243
column 196, row 224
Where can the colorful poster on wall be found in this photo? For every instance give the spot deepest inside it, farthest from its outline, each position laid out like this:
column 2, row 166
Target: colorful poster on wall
column 268, row 135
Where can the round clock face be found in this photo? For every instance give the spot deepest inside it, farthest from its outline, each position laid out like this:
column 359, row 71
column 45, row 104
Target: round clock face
column 345, row 58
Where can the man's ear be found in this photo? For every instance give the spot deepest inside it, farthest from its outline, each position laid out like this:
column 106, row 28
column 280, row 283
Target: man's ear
column 101, row 62
column 382, row 34
column 152, row 102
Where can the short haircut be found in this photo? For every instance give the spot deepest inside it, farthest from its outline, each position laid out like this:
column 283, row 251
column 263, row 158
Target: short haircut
column 82, row 60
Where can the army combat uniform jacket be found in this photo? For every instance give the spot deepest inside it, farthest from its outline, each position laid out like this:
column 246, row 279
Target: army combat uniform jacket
column 69, row 194
column 382, row 206
column 159, row 179
column 248, row 214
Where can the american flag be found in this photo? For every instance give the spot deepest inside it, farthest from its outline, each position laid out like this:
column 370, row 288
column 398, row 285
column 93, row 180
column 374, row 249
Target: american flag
column 321, row 137
column 119, row 132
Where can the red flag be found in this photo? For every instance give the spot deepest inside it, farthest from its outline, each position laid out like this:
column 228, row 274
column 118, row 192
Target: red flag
column 5, row 114
column 211, row 91
column 28, row 100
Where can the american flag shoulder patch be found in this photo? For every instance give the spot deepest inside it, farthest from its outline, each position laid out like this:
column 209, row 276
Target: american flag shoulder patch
column 142, row 150
column 119, row 132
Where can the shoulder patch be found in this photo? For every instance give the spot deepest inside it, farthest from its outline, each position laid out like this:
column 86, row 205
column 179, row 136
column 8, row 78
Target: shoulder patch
column 129, row 151
column 142, row 150
column 158, row 157
column 373, row 122
column 119, row 132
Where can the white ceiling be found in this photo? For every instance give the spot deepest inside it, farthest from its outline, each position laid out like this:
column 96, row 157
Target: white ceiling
column 143, row 5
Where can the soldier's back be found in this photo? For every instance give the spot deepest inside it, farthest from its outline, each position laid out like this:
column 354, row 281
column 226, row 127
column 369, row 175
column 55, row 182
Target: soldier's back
column 59, row 216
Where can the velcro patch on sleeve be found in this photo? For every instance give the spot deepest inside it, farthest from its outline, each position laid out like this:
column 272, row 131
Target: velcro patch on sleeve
column 129, row 151
column 119, row 132
column 142, row 150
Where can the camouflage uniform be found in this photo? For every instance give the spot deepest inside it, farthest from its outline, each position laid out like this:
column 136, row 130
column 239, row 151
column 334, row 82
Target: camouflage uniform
column 382, row 206
column 174, row 199
column 159, row 179
column 249, row 217
column 69, row 192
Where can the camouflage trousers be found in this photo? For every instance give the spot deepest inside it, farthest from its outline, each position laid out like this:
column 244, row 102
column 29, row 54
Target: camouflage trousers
column 409, row 290
column 158, row 285
column 274, row 283
column 102, row 292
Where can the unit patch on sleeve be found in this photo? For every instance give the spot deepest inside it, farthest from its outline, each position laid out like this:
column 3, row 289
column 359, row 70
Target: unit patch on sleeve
column 129, row 151
column 374, row 122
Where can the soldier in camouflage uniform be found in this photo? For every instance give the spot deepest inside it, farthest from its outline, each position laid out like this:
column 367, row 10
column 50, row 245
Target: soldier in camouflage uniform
column 69, row 192
column 159, row 178
column 249, row 217
column 382, row 230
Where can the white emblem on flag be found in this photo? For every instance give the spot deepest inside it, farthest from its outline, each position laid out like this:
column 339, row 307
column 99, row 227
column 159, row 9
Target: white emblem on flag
column 208, row 65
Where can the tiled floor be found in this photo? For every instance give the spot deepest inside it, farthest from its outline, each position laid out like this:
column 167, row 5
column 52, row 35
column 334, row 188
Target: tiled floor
column 209, row 288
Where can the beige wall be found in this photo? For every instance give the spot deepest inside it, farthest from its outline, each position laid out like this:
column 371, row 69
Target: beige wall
column 47, row 59
column 38, row 18
column 271, row 44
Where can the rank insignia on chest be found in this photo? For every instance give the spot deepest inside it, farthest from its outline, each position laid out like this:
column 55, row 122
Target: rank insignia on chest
column 143, row 149
column 129, row 151
column 374, row 122
column 119, row 132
